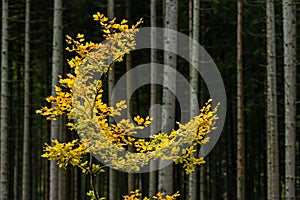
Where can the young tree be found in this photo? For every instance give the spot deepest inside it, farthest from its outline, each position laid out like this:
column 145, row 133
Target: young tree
column 57, row 60
column 165, row 183
column 290, row 61
column 26, row 137
column 109, row 140
column 272, row 130
column 240, row 108
column 4, row 162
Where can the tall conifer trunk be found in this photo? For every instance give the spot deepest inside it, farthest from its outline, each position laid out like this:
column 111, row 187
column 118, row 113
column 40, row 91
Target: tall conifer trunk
column 272, row 130
column 57, row 60
column 194, row 82
column 113, row 188
column 165, row 182
column 290, row 61
column 240, row 109
column 26, row 136
column 153, row 94
column 4, row 162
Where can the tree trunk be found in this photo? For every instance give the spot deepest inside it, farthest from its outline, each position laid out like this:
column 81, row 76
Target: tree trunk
column 4, row 162
column 26, row 137
column 131, row 179
column 57, row 60
column 272, row 130
column 289, row 41
column 194, row 83
column 240, row 108
column 168, row 112
column 62, row 173
column 153, row 96
column 75, row 184
column 113, row 188
column 17, row 149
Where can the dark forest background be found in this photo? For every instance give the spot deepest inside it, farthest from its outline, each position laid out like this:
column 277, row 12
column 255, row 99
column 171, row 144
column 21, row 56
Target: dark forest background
column 217, row 179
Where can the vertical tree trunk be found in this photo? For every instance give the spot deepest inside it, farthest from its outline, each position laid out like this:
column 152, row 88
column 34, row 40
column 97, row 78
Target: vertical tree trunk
column 75, row 183
column 57, row 58
column 62, row 173
column 131, row 178
column 240, row 120
column 168, row 113
column 272, row 130
column 202, row 171
column 33, row 176
column 289, row 41
column 194, row 82
column 113, row 188
column 208, row 178
column 202, row 182
column 47, row 177
column 153, row 95
column 26, row 137
column 4, row 164
column 16, row 190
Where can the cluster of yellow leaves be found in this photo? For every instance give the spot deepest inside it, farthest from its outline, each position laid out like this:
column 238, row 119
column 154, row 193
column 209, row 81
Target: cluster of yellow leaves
column 111, row 27
column 79, row 47
column 61, row 103
column 141, row 121
column 206, row 121
column 80, row 94
column 71, row 153
column 92, row 195
column 66, row 153
column 181, row 144
column 137, row 195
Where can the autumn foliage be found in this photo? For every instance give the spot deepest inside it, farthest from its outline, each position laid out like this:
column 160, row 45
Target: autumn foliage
column 79, row 97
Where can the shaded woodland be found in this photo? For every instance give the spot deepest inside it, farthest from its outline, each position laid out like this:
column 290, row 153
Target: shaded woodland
column 253, row 43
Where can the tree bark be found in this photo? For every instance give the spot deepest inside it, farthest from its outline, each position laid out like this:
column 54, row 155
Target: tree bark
column 168, row 112
column 272, row 129
column 57, row 60
column 4, row 162
column 113, row 188
column 240, row 109
column 153, row 96
column 131, row 177
column 289, row 41
column 194, row 83
column 26, row 136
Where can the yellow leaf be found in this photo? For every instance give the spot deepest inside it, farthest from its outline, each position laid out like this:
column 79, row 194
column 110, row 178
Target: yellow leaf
column 106, row 31
column 80, row 36
column 124, row 21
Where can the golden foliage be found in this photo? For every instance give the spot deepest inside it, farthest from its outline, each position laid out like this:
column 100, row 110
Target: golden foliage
column 137, row 195
column 80, row 97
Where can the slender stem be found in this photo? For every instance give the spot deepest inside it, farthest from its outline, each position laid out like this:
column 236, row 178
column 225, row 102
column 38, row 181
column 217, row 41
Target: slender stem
column 92, row 178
